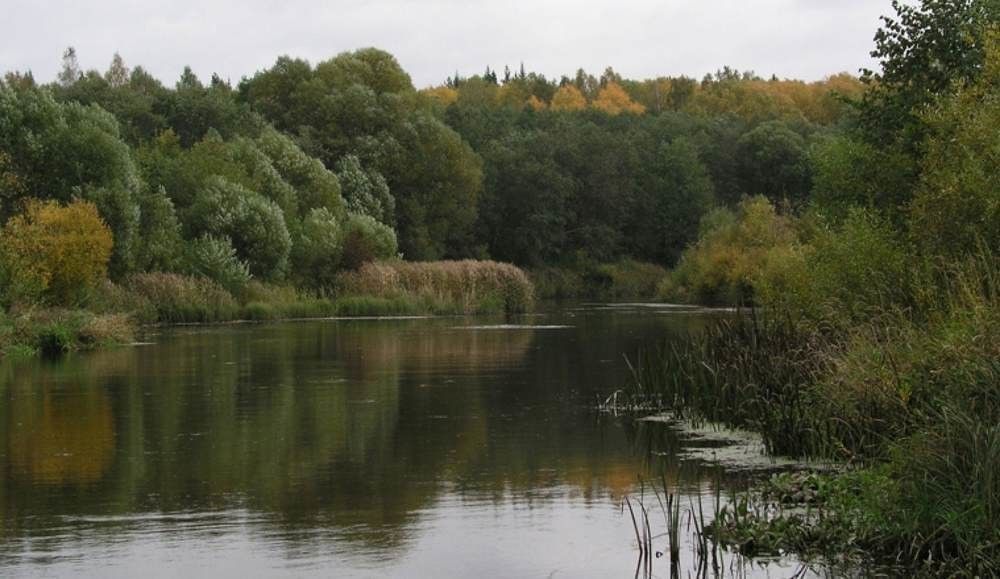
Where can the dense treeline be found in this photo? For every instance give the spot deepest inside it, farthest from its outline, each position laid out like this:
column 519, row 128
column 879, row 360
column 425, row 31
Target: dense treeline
column 530, row 171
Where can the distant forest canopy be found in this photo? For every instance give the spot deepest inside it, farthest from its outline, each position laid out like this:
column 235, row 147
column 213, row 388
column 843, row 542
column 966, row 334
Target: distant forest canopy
column 305, row 169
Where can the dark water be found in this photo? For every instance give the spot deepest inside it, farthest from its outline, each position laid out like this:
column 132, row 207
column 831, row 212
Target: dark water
column 443, row 447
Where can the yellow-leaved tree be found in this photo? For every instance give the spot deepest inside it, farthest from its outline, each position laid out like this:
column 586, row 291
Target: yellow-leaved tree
column 613, row 100
column 54, row 251
column 534, row 103
column 568, row 98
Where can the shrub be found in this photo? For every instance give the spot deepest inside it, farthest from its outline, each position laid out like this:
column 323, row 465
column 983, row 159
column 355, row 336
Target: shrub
column 107, row 329
column 215, row 258
column 723, row 265
column 317, row 255
column 366, row 240
column 60, row 252
column 847, row 273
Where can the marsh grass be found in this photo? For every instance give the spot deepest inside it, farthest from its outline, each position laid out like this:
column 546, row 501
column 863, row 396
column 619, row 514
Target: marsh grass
column 465, row 287
column 910, row 397
column 746, row 372
column 52, row 332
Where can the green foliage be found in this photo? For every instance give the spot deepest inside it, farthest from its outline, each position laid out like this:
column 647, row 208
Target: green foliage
column 849, row 172
column 723, row 266
column 318, row 253
column 773, row 162
column 365, row 240
column 254, row 225
column 845, row 275
column 365, row 192
column 60, row 151
column 160, row 232
column 315, row 186
column 363, row 104
column 58, row 331
column 957, row 204
column 626, row 279
column 684, row 192
column 215, row 259
column 923, row 52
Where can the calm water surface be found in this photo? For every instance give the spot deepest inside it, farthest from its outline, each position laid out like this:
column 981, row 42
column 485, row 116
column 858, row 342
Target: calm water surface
column 445, row 447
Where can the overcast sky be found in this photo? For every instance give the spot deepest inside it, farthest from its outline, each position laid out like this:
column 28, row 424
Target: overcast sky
column 807, row 39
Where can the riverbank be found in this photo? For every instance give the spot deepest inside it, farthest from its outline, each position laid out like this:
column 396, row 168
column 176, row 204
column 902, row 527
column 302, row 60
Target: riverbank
column 906, row 398
column 115, row 313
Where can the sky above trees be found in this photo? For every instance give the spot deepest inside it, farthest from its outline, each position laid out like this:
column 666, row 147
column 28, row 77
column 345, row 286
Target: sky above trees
column 433, row 39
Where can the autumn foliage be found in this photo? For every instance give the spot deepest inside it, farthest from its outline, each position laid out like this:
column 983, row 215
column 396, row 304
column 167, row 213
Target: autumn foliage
column 613, row 100
column 56, row 251
column 568, row 98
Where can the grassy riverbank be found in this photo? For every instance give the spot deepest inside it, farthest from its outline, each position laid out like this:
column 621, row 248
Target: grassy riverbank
column 115, row 312
column 907, row 397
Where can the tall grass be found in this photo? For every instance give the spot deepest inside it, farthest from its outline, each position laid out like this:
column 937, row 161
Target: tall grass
column 57, row 331
column 466, row 286
column 750, row 371
column 174, row 298
column 910, row 394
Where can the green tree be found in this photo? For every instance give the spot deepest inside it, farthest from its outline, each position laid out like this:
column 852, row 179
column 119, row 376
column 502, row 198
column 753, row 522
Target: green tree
column 957, row 203
column 774, row 162
column 61, row 151
column 366, row 192
column 683, row 193
column 254, row 225
column 922, row 51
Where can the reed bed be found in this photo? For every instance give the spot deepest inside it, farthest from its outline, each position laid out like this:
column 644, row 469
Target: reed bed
column 910, row 397
column 467, row 286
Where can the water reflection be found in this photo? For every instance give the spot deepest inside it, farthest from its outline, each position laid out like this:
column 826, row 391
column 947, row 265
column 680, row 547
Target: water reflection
column 410, row 447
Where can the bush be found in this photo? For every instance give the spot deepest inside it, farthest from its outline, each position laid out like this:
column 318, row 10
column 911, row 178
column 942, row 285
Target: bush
column 626, row 279
column 56, row 252
column 215, row 258
column 317, row 255
column 723, row 266
column 846, row 275
column 56, row 331
column 366, row 240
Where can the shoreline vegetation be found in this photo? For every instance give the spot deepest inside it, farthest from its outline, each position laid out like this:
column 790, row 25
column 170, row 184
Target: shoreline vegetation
column 116, row 313
column 871, row 330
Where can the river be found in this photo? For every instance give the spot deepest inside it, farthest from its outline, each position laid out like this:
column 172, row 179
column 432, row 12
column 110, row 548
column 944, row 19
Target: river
column 437, row 447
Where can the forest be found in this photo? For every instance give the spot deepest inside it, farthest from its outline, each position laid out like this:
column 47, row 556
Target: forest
column 860, row 215
column 302, row 172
